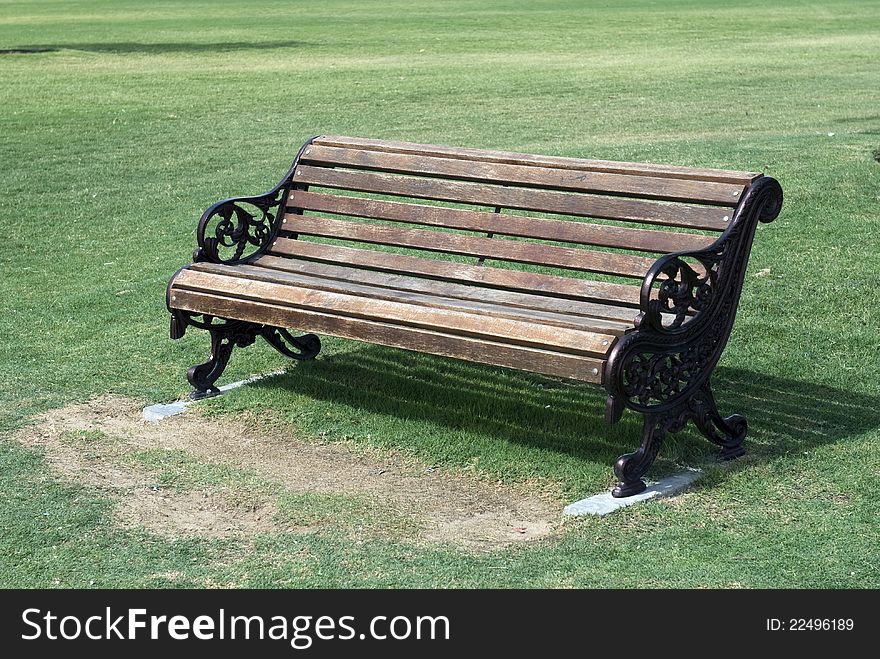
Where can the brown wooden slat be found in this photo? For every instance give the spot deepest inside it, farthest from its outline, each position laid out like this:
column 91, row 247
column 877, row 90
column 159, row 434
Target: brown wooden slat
column 559, row 339
column 525, row 282
column 584, row 233
column 409, row 282
column 650, row 187
column 633, row 168
column 426, row 299
column 536, row 360
column 572, row 258
column 614, row 208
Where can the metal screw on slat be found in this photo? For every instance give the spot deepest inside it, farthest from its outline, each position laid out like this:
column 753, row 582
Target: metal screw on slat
column 605, row 342
column 736, row 193
column 284, row 221
column 299, row 173
column 595, row 371
column 725, row 218
column 173, row 298
column 308, row 151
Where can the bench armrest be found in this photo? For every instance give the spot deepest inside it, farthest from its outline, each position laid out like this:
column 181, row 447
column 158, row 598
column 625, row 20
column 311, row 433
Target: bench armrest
column 232, row 225
column 677, row 289
column 685, row 288
column 240, row 228
column 654, row 367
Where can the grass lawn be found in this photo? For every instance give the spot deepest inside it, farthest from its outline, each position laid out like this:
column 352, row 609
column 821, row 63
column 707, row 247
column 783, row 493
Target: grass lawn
column 128, row 119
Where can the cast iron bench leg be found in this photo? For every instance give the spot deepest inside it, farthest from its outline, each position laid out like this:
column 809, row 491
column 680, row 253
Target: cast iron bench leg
column 229, row 334
column 728, row 433
column 663, row 366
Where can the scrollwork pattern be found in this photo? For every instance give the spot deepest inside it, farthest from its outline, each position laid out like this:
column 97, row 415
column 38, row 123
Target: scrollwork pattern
column 653, row 376
column 237, row 229
column 663, row 370
column 684, row 291
column 227, row 334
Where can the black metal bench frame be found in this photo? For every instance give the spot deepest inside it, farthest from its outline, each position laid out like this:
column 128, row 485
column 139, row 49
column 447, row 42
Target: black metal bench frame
column 663, row 372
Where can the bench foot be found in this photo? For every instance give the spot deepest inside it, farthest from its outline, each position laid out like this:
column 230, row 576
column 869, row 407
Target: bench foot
column 224, row 338
column 623, row 490
column 235, row 333
column 199, row 394
column 630, row 467
column 727, row 432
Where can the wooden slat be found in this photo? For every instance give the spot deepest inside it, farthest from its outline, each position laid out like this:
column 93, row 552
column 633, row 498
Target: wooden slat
column 550, row 178
column 536, row 360
column 613, row 208
column 525, row 282
column 572, row 258
column 426, row 299
column 633, row 168
column 462, row 323
column 409, row 282
column 583, row 233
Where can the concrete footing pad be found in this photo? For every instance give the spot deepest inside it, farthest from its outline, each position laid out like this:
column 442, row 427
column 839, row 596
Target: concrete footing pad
column 156, row 413
column 603, row 503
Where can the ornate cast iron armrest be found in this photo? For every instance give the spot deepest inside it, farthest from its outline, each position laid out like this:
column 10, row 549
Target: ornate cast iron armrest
column 686, row 288
column 230, row 224
column 655, row 365
column 687, row 285
column 233, row 231
column 237, row 229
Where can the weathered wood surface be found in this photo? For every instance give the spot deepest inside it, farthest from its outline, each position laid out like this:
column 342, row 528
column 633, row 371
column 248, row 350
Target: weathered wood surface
column 465, row 323
column 542, row 201
column 571, row 258
column 583, row 233
column 649, row 169
column 445, row 289
column 528, row 175
column 499, row 308
column 515, row 280
column 537, row 360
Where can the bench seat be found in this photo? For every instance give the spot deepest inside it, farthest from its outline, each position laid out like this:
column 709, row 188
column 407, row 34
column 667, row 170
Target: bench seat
column 551, row 336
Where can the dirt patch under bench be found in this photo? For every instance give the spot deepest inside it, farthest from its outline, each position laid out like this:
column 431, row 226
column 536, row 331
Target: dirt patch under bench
column 98, row 444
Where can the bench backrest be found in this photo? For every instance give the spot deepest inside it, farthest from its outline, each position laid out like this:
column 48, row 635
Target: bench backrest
column 469, row 215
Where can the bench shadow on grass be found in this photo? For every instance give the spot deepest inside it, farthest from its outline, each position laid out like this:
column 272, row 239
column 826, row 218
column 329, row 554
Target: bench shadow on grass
column 130, row 47
column 784, row 415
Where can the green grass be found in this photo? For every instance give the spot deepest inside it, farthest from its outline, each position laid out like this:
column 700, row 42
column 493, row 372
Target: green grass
column 179, row 470
column 137, row 118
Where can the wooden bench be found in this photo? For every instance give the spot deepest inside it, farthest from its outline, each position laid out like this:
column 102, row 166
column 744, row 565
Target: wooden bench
column 620, row 274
